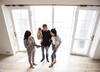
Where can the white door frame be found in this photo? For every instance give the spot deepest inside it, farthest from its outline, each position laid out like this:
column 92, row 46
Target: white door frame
column 20, row 7
column 75, row 26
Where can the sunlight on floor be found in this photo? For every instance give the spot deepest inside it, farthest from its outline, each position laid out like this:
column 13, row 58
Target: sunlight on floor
column 65, row 63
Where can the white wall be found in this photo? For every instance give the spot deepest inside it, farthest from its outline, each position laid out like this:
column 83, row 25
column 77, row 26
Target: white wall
column 5, row 46
column 68, row 2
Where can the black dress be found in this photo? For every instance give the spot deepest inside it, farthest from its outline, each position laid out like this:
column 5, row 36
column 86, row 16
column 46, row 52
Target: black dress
column 46, row 38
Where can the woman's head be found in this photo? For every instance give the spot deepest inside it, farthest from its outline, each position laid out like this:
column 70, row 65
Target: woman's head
column 27, row 34
column 53, row 32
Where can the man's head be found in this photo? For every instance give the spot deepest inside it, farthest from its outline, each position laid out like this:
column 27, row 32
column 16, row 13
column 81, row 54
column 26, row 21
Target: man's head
column 45, row 28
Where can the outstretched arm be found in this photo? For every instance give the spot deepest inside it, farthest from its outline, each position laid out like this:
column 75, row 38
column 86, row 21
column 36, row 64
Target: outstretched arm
column 34, row 43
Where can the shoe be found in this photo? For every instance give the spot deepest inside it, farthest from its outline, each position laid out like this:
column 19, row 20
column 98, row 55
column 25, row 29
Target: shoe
column 51, row 65
column 54, row 61
column 42, row 60
column 47, row 59
column 31, row 66
column 34, row 64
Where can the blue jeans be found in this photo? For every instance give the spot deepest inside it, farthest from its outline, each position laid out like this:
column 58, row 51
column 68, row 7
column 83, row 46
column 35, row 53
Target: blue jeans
column 43, row 55
column 53, row 56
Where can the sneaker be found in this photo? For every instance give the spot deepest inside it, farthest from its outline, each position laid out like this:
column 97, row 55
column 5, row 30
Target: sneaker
column 54, row 61
column 42, row 60
column 51, row 65
column 47, row 60
column 31, row 66
column 34, row 64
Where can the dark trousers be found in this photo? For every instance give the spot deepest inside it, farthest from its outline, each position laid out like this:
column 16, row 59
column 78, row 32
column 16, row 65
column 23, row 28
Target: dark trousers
column 53, row 56
column 43, row 55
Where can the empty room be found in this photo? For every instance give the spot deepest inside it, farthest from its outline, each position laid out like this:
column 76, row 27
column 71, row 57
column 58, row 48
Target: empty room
column 49, row 35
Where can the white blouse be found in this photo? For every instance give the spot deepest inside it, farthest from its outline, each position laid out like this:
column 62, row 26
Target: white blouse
column 56, row 40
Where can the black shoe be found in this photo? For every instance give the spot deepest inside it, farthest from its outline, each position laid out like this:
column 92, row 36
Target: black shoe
column 34, row 64
column 47, row 60
column 31, row 66
column 42, row 60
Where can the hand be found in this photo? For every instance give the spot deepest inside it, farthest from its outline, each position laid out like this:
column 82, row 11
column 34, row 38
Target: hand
column 47, row 46
column 38, row 46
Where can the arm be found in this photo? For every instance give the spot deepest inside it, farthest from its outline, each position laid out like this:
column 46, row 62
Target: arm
column 57, row 46
column 58, row 42
column 26, row 44
column 34, row 43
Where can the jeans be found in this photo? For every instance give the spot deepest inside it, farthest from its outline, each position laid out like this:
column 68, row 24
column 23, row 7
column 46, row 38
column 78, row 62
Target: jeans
column 53, row 56
column 43, row 55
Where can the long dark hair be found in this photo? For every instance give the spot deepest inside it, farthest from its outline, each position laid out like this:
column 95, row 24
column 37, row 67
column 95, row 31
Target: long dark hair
column 27, row 34
column 54, row 31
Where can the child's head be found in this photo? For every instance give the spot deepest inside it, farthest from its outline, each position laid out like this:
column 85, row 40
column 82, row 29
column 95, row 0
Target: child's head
column 39, row 29
column 53, row 32
column 45, row 27
column 27, row 34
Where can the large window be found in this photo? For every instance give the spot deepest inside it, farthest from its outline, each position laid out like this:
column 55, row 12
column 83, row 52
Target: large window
column 41, row 15
column 63, row 22
column 33, row 17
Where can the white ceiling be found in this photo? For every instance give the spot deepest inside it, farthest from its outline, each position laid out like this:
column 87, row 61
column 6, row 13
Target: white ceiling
column 63, row 2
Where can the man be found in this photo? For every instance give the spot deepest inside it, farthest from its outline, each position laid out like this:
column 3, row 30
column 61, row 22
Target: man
column 46, row 41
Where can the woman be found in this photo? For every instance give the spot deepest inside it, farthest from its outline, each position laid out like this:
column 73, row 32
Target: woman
column 30, row 46
column 56, row 41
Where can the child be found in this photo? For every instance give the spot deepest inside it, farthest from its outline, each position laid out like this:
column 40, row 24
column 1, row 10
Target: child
column 30, row 45
column 39, row 34
column 56, row 41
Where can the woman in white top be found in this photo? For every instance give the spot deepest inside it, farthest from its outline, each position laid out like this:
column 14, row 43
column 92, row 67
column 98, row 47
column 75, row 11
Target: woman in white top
column 56, row 41
column 30, row 44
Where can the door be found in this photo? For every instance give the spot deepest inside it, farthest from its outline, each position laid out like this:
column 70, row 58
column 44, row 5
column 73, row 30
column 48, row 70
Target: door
column 21, row 21
column 84, row 29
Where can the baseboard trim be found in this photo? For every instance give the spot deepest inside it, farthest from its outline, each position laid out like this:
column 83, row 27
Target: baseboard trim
column 6, row 52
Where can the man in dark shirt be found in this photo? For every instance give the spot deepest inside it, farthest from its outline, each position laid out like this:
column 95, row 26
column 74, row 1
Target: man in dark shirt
column 46, row 41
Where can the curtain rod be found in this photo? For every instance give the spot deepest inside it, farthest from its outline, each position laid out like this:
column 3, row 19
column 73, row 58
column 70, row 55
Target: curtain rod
column 49, row 5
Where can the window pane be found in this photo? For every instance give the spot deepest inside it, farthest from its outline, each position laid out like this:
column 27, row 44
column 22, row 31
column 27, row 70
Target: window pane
column 85, row 24
column 81, row 46
column 21, row 22
column 63, row 22
column 41, row 15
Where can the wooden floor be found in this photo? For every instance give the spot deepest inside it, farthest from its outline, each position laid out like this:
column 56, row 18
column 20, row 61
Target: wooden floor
column 65, row 63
